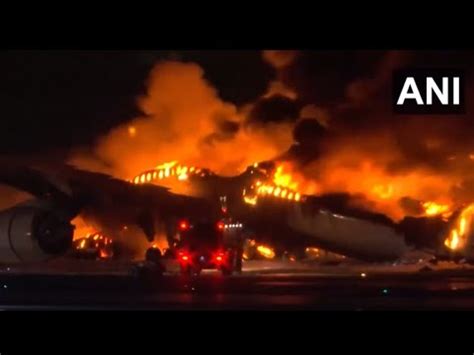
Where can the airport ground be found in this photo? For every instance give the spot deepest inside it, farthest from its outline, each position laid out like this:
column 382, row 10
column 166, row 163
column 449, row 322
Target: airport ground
column 267, row 285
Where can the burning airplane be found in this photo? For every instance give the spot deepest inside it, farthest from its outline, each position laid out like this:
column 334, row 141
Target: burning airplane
column 330, row 175
column 265, row 197
column 41, row 227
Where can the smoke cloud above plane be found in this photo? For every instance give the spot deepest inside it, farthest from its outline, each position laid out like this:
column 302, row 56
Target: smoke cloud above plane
column 326, row 113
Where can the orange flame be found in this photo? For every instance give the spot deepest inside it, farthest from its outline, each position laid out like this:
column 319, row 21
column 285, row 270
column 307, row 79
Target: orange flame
column 101, row 243
column 459, row 234
column 384, row 192
column 81, row 228
column 282, row 185
column 277, row 191
column 266, row 251
column 435, row 209
column 166, row 170
column 283, row 179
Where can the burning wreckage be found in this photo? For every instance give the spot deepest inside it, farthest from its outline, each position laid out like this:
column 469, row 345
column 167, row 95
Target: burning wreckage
column 276, row 219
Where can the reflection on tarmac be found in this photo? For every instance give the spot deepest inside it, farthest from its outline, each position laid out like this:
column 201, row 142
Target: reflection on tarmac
column 250, row 268
column 262, row 285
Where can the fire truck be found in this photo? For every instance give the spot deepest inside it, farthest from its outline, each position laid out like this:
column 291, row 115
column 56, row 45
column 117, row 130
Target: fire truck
column 209, row 245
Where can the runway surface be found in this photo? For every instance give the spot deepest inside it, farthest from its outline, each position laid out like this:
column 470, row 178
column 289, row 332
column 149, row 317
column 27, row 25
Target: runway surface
column 262, row 286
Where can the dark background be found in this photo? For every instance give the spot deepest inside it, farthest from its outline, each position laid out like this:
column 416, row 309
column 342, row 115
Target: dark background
column 54, row 99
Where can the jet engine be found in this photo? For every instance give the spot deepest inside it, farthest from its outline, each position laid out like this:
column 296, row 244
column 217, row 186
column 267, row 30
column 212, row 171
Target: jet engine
column 33, row 232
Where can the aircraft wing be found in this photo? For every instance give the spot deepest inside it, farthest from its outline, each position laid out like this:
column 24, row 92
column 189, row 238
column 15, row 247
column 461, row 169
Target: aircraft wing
column 102, row 196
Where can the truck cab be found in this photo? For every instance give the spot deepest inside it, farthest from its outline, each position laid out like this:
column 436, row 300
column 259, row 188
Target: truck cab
column 203, row 245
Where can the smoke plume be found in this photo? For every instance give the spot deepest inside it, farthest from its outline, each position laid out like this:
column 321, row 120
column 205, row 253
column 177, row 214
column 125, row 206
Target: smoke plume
column 184, row 119
column 327, row 114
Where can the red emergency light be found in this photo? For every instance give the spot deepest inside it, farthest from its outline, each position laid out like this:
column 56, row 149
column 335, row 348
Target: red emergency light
column 219, row 257
column 184, row 257
column 183, row 225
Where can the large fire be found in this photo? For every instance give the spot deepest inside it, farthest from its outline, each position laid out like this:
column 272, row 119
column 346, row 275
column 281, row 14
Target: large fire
column 100, row 244
column 380, row 167
column 185, row 119
column 86, row 238
column 459, row 234
column 167, row 170
column 278, row 191
column 281, row 184
column 284, row 179
column 382, row 191
column 82, row 228
column 435, row 209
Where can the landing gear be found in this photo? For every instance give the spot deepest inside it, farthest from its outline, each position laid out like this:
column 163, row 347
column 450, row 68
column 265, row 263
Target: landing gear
column 151, row 267
column 153, row 255
column 238, row 261
column 147, row 272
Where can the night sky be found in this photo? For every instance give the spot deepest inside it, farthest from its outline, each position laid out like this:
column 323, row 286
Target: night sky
column 51, row 100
